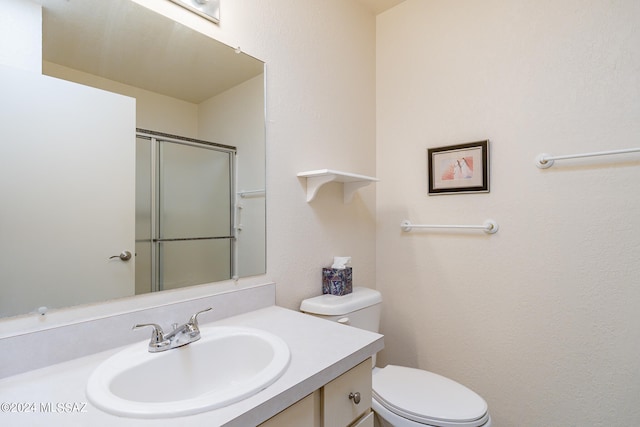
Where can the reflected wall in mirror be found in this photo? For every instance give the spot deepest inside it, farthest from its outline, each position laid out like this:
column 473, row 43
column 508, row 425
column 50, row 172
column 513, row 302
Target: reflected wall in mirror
column 69, row 174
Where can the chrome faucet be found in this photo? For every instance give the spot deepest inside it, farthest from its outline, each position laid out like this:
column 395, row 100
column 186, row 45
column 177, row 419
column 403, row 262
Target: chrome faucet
column 181, row 335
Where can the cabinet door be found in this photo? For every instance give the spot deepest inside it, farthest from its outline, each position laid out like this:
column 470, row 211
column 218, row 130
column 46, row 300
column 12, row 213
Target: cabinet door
column 338, row 408
column 304, row 413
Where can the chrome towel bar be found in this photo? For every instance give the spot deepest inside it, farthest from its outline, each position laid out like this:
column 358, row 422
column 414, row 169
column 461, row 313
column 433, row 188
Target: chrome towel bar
column 251, row 193
column 544, row 161
column 489, row 226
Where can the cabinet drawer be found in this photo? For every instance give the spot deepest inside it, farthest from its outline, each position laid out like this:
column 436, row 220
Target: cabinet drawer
column 338, row 409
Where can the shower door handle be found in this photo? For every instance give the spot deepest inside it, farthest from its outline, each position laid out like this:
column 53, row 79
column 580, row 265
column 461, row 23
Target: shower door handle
column 124, row 256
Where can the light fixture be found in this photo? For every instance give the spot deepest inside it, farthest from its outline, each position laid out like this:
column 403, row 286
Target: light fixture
column 209, row 9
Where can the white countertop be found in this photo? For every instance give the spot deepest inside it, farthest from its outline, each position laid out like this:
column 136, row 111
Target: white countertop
column 320, row 351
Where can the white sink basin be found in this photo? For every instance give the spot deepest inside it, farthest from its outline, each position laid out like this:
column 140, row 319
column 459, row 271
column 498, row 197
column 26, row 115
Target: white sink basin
column 226, row 365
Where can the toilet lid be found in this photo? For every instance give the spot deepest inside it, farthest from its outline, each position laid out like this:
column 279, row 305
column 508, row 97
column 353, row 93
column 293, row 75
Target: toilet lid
column 427, row 398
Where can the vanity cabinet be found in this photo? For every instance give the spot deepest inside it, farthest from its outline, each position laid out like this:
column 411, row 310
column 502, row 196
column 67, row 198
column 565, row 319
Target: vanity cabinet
column 333, row 405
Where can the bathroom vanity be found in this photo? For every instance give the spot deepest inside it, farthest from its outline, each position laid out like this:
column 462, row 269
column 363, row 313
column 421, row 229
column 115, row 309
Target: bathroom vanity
column 329, row 369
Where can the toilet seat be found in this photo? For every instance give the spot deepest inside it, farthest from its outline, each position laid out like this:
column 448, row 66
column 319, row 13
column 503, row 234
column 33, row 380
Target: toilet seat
column 428, row 398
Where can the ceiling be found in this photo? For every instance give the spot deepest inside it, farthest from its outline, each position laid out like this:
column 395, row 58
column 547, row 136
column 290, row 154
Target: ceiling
column 379, row 6
column 125, row 42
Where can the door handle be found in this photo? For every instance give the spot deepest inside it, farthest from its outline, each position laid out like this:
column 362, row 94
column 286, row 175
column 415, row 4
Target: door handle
column 124, row 256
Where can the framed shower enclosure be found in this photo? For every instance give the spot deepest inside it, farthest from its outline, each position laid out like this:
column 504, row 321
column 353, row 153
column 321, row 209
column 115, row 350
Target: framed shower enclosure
column 184, row 211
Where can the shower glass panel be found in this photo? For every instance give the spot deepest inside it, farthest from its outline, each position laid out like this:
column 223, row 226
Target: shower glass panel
column 184, row 212
column 195, row 228
column 189, row 262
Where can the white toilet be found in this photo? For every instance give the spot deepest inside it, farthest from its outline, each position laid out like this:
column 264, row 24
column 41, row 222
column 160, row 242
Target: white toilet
column 403, row 397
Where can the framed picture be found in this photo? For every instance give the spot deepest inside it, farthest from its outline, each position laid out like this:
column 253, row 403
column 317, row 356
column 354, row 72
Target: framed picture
column 462, row 168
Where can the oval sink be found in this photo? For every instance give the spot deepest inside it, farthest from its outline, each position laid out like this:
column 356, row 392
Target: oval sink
column 226, row 365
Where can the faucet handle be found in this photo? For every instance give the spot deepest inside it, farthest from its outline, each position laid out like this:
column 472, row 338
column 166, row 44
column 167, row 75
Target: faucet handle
column 193, row 322
column 157, row 336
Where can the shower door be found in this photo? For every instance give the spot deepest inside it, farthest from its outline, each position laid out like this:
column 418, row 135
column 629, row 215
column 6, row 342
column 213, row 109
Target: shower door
column 191, row 214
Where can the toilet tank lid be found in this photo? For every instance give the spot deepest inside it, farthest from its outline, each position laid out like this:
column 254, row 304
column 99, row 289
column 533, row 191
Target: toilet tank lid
column 334, row 305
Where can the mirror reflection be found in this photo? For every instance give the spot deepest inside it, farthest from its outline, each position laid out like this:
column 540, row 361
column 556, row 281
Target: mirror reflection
column 142, row 136
column 184, row 212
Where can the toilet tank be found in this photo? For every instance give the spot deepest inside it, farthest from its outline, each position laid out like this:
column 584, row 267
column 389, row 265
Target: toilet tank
column 360, row 309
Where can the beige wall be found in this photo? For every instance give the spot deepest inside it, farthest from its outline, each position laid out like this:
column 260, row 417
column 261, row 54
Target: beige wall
column 320, row 114
column 542, row 319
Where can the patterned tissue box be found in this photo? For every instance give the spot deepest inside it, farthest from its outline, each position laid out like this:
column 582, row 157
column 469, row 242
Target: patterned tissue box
column 337, row 281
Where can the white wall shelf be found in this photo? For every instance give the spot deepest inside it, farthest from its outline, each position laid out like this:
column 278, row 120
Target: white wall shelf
column 351, row 181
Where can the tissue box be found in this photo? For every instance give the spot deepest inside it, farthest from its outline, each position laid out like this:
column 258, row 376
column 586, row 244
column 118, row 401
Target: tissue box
column 337, row 281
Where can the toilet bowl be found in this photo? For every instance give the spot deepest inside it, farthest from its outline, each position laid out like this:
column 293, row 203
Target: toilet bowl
column 402, row 396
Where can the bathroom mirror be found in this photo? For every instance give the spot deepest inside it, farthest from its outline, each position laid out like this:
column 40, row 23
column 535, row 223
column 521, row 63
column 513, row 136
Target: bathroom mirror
column 188, row 88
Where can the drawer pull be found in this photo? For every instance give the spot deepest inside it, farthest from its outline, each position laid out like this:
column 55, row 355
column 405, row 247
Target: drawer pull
column 355, row 397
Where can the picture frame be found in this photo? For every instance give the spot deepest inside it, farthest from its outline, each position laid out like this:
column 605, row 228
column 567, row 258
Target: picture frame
column 462, row 168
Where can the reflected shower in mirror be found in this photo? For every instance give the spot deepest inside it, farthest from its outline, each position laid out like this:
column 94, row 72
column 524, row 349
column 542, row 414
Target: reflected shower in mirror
column 184, row 212
column 109, row 68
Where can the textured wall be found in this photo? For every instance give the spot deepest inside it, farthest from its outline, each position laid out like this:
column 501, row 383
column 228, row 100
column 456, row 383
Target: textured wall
column 541, row 318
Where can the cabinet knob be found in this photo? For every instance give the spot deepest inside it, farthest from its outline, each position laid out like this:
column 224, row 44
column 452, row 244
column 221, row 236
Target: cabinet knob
column 355, row 397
